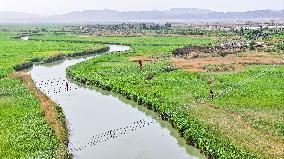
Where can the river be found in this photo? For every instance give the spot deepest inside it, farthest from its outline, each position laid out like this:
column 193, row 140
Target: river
column 103, row 125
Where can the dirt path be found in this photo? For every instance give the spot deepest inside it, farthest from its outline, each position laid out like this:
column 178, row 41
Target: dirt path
column 197, row 65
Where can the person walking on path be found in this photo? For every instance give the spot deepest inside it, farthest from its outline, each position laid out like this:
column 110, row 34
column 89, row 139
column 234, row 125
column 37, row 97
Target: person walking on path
column 141, row 64
column 211, row 93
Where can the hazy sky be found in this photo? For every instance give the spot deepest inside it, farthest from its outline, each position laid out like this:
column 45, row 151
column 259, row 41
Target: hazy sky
column 62, row 6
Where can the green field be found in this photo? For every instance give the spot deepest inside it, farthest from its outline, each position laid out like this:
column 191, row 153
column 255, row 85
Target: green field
column 244, row 122
column 23, row 130
column 141, row 40
column 15, row 52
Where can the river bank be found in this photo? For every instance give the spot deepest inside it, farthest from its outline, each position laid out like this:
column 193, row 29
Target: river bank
column 58, row 57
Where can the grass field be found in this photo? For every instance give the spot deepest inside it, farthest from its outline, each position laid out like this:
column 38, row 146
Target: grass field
column 144, row 40
column 245, row 121
column 15, row 52
column 23, row 129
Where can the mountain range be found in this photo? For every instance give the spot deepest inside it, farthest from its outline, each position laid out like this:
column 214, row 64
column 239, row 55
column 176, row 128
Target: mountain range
column 172, row 15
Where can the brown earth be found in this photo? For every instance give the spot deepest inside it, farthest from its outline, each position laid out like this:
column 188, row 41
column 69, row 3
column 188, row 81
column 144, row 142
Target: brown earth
column 196, row 65
column 141, row 58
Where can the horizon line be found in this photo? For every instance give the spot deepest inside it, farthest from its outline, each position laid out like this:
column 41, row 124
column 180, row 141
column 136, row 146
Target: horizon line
column 11, row 11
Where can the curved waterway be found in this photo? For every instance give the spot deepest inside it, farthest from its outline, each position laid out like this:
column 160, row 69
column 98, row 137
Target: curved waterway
column 104, row 125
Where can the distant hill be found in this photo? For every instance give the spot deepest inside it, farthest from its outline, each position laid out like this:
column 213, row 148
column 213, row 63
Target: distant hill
column 191, row 11
column 10, row 15
column 175, row 14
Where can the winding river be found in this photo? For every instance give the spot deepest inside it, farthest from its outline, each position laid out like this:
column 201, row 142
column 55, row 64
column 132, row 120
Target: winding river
column 104, row 125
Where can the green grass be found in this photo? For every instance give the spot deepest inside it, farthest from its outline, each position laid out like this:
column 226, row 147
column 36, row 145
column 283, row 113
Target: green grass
column 247, row 122
column 259, row 99
column 23, row 130
column 146, row 40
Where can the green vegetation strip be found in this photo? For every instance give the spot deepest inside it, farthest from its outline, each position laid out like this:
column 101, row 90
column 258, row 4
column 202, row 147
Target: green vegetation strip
column 146, row 40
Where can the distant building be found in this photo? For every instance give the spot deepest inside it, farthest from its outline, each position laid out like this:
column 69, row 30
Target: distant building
column 26, row 38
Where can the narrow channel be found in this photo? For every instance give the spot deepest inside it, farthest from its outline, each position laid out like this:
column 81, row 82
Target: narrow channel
column 92, row 111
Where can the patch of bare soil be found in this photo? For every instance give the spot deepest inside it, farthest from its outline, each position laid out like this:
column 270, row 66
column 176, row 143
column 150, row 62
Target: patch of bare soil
column 141, row 58
column 198, row 64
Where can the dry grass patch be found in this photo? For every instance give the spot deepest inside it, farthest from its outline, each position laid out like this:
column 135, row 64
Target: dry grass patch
column 233, row 127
